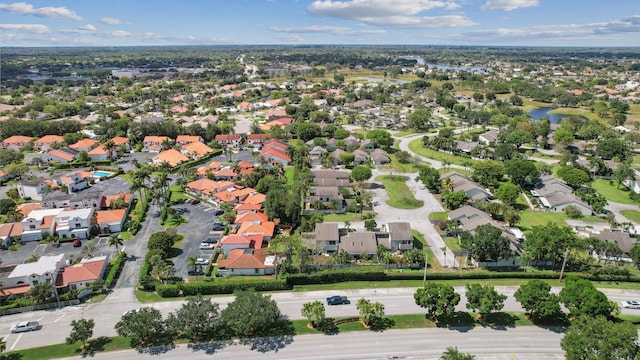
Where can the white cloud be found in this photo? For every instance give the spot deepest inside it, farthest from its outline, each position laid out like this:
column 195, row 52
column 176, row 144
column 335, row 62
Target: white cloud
column 420, row 22
column 87, row 27
column 47, row 12
column 32, row 28
column 357, row 9
column 110, row 21
column 508, row 5
column 291, row 39
column 321, row 29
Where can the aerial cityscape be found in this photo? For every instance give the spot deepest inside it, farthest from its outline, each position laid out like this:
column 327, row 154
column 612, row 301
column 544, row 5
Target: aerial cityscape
column 355, row 179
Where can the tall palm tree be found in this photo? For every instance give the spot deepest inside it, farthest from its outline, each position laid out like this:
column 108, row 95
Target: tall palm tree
column 109, row 146
column 116, row 241
column 139, row 186
column 452, row 353
column 447, row 184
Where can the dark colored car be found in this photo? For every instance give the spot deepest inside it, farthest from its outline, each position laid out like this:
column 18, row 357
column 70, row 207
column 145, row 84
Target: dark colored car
column 337, row 300
column 218, row 226
column 194, row 201
column 218, row 212
column 77, row 243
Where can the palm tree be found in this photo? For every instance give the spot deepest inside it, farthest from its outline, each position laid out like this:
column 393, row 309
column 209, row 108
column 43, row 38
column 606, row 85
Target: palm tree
column 3, row 344
column 447, row 184
column 139, row 186
column 109, row 146
column 116, row 241
column 42, row 292
column 452, row 353
column 88, row 251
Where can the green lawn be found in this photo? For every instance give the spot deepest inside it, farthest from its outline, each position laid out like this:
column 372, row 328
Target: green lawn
column 177, row 194
column 609, row 189
column 441, row 215
column 632, row 215
column 452, row 243
column 348, row 216
column 397, row 166
column 530, row 218
column 416, row 147
column 400, row 196
column 636, row 160
column 289, row 172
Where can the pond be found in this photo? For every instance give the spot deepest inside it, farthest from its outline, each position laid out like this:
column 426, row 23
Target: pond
column 539, row 113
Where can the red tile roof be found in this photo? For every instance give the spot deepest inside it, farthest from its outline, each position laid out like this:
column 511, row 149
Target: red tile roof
column 243, row 259
column 84, row 271
column 110, row 216
column 50, row 139
column 84, row 144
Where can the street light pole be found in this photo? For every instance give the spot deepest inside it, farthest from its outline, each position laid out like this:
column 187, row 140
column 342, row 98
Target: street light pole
column 564, row 262
column 426, row 261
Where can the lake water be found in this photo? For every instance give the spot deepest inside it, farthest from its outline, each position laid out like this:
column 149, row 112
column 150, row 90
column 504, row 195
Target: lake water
column 539, row 113
column 473, row 69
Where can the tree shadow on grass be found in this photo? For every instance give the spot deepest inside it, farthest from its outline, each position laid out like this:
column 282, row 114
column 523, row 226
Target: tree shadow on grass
column 94, row 346
column 16, row 356
column 280, row 335
column 211, row 347
column 156, row 350
column 329, row 327
column 383, row 324
column 460, row 321
column 555, row 323
column 499, row 321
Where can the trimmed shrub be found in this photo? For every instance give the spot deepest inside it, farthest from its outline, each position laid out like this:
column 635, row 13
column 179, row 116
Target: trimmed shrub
column 116, row 266
column 335, row 276
column 230, row 286
column 167, row 291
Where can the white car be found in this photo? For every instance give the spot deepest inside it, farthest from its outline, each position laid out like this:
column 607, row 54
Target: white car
column 25, row 326
column 207, row 246
column 630, row 304
column 202, row 261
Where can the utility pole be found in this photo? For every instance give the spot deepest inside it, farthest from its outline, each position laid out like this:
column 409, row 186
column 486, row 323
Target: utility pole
column 564, row 262
column 426, row 261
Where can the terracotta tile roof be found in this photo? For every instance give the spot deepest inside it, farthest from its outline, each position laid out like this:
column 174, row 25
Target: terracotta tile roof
column 98, row 150
column 26, row 208
column 155, row 139
column 61, row 154
column 244, row 259
column 225, row 172
column 272, row 152
column 85, row 174
column 47, row 221
column 207, row 186
column 84, row 271
column 67, row 180
column 171, row 156
column 184, row 139
column 245, row 165
column 275, row 144
column 227, row 137
column 225, row 196
column 266, row 228
column 243, row 192
column 235, row 240
column 197, row 148
column 49, row 139
column 17, row 139
column 251, row 216
column 119, row 140
column 258, row 136
column 5, row 229
column 255, row 199
column 244, row 206
column 110, row 216
column 245, row 171
column 107, row 199
column 84, row 144
column 15, row 290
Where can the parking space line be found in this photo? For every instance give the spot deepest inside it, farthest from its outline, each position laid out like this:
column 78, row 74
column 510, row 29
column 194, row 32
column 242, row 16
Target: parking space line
column 44, row 247
column 16, row 342
column 60, row 318
column 207, row 209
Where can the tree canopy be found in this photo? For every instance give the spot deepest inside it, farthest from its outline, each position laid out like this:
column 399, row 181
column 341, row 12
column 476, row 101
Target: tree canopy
column 600, row 339
column 548, row 242
column 484, row 299
column 487, row 244
column 580, row 297
column 438, row 299
column 250, row 314
column 197, row 320
column 537, row 299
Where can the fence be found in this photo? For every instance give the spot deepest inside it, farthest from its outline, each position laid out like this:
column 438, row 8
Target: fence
column 38, row 307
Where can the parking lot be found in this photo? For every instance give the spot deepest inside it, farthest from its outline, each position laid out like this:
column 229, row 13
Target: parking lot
column 200, row 221
column 25, row 251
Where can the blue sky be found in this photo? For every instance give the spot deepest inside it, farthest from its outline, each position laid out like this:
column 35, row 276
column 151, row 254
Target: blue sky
column 219, row 22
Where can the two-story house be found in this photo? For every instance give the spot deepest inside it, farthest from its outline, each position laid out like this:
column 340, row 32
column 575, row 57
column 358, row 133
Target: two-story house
column 47, row 142
column 154, row 143
column 229, row 140
column 74, row 223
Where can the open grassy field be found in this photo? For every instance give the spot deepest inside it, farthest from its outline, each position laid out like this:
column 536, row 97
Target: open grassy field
column 576, row 111
column 400, row 196
column 348, row 216
column 632, row 215
column 530, row 218
column 609, row 189
column 416, row 147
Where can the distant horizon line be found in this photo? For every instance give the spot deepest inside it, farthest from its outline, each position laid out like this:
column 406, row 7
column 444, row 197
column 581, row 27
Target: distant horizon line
column 321, row 45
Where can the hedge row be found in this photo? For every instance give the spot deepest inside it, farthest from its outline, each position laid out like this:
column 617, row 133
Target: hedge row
column 196, row 162
column 73, row 165
column 116, row 266
column 219, row 287
column 335, row 276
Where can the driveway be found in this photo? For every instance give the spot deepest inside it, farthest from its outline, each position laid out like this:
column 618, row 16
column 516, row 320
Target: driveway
column 418, row 218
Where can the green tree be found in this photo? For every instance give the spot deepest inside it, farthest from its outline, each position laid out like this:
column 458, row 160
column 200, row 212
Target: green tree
column 635, row 254
column 573, row 176
column 413, row 256
column 116, row 241
column 241, row 319
column 89, row 250
column 521, row 171
column 308, row 131
column 361, row 173
column 380, row 138
column 600, row 339
column 370, row 313
column 580, row 297
column 488, row 172
column 563, row 138
column 370, row 224
column 454, row 199
column 537, row 299
column 18, row 170
column 438, row 299
column 612, row 148
column 487, row 244
column 548, row 242
column 484, row 299
column 452, row 353
column 430, row 177
column 145, row 328
column 42, row 292
column 162, row 241
column 315, row 312
column 623, row 172
column 197, row 320
column 419, row 119
column 508, row 193
column 8, row 156
column 81, row 330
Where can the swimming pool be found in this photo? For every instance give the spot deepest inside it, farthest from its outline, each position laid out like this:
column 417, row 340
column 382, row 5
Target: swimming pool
column 102, row 173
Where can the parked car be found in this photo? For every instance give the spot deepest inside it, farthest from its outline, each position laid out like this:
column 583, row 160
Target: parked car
column 218, row 212
column 337, row 300
column 24, row 326
column 193, row 201
column 630, row 304
column 202, row 261
column 218, row 226
column 77, row 243
column 207, row 246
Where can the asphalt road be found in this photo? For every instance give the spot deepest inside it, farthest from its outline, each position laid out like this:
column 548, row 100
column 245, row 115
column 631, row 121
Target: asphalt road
column 525, row 343
column 396, row 301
